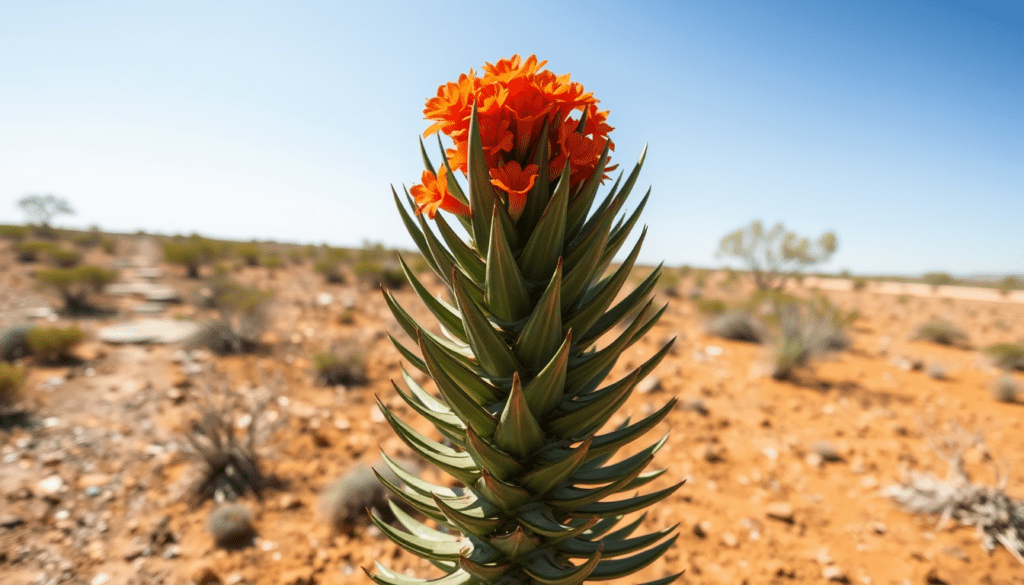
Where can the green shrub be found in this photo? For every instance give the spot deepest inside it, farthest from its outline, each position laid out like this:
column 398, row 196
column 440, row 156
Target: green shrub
column 53, row 345
column 1009, row 356
column 1005, row 389
column 64, row 258
column 249, row 253
column 1010, row 284
column 11, row 379
column 804, row 331
column 331, row 271
column 345, row 365
column 938, row 279
column 271, row 260
column 375, row 273
column 76, row 284
column 15, row 233
column 710, row 306
column 942, row 333
column 108, row 244
column 231, row 526
column 241, row 318
column 860, row 283
column 191, row 252
column 737, row 326
column 30, row 251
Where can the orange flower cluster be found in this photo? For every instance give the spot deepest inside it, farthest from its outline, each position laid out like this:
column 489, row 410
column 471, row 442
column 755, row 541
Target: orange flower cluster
column 514, row 98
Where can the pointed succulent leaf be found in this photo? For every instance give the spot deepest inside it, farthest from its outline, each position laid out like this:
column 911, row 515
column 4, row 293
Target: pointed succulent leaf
column 545, row 390
column 414, row 231
column 469, row 521
column 542, row 333
column 616, row 568
column 458, row 351
column 487, row 573
column 570, row 498
column 504, row 290
column 586, row 368
column 603, row 529
column 491, row 351
column 627, row 187
column 620, row 233
column 581, row 204
column 460, row 402
column 458, row 464
column 610, row 442
column 514, row 544
column 544, row 572
column 625, row 506
column 384, row 576
column 539, row 519
column 594, row 304
column 426, row 159
column 665, row 580
column 419, row 546
column 489, row 457
column 539, row 196
column 543, row 479
column 445, row 314
column 577, row 547
column 518, row 431
column 628, row 305
column 446, row 423
column 545, row 244
column 408, row 355
column 467, row 379
column 481, row 193
column 593, row 475
column 466, row 258
column 503, row 495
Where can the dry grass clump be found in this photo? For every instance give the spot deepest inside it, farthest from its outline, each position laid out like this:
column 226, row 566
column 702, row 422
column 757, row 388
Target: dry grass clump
column 805, row 330
column 1005, row 389
column 14, row 233
column 345, row 502
column 241, row 318
column 941, row 332
column 14, row 342
column 63, row 257
column 737, row 326
column 710, row 306
column 344, row 365
column 11, row 379
column 32, row 250
column 53, row 345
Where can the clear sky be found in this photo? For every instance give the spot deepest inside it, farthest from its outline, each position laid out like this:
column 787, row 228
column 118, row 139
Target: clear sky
column 899, row 124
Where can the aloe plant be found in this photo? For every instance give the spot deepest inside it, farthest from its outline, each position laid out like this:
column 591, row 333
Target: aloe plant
column 523, row 401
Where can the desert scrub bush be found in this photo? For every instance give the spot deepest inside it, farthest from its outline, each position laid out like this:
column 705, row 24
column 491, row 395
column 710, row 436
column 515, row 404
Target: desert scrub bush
column 241, row 318
column 74, row 285
column 941, row 332
column 14, row 342
column 63, row 257
column 737, row 326
column 937, row 279
column 860, row 283
column 227, row 456
column 331, row 270
column 1010, row 284
column 376, row 274
column 344, row 503
column 1005, row 389
column 1008, row 356
column 344, row 365
column 191, row 252
column 53, row 345
column 249, row 253
column 108, row 244
column 11, row 379
column 710, row 306
column 32, row 250
column 14, row 233
column 774, row 255
column 271, row 260
column 231, row 526
column 803, row 332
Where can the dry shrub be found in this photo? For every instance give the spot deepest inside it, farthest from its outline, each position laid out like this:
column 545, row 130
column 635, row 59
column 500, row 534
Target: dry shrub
column 53, row 345
column 941, row 332
column 11, row 379
column 1008, row 356
column 76, row 284
column 344, row 365
column 737, row 326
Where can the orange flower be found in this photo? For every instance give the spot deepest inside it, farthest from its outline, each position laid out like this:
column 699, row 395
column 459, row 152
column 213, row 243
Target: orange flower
column 433, row 193
column 514, row 98
column 516, row 182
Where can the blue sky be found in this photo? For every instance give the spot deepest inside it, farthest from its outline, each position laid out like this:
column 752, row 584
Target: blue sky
column 898, row 124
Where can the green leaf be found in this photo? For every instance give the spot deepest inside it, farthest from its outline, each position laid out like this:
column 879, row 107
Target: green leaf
column 589, row 366
column 570, row 498
column 595, row 303
column 467, row 379
column 545, row 390
column 544, row 572
column 518, row 431
column 504, row 290
column 446, row 423
column 467, row 409
column 466, row 258
column 414, row 231
column 489, row 573
column 539, row 519
column 474, row 520
column 499, row 463
column 426, row 159
column 609, row 443
column 614, row 569
column 543, row 479
column 627, row 187
column 577, row 547
column 581, row 415
column 626, row 506
column 490, row 350
column 458, row 351
column 540, row 194
column 620, row 233
column 441, row 259
column 628, row 305
column 417, row 545
column 503, row 495
column 544, row 247
column 606, row 524
column 446, row 315
column 386, row 577
column 409, row 355
column 514, row 544
column 481, row 193
column 455, row 463
column 581, row 204
column 598, row 475
column 542, row 333
column 453, row 185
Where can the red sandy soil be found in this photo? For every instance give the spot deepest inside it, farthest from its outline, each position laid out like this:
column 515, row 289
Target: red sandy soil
column 115, row 423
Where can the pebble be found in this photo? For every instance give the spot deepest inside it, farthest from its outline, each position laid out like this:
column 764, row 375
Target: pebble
column 834, row 574
column 781, row 511
column 51, row 486
column 651, row 384
column 205, row 576
column 100, row 579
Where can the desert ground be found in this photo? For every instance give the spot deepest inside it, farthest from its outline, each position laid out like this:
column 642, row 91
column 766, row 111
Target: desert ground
column 96, row 472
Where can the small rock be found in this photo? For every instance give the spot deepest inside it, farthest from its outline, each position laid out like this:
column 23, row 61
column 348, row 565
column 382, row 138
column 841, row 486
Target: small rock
column 205, row 576
column 100, row 579
column 781, row 511
column 713, row 351
column 695, row 405
column 9, row 521
column 50, row 488
column 827, row 451
column 324, row 299
column 730, row 540
column 93, row 480
column 651, row 384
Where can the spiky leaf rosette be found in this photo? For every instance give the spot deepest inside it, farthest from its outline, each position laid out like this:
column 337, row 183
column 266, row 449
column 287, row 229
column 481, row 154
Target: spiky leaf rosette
column 523, row 399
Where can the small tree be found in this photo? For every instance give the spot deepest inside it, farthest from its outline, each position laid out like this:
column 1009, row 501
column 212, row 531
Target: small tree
column 191, row 252
column 41, row 209
column 74, row 285
column 774, row 255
